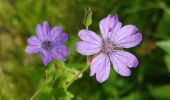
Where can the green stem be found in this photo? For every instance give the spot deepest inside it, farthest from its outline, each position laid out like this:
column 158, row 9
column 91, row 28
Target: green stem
column 76, row 76
column 41, row 87
column 84, row 69
column 87, row 27
column 37, row 92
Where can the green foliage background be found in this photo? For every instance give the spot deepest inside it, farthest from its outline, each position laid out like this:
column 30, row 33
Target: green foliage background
column 22, row 74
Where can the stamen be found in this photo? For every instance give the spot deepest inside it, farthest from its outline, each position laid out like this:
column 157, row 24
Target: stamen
column 107, row 47
column 47, row 45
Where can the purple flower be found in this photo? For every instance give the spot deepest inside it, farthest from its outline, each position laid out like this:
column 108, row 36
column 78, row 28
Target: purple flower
column 109, row 47
column 49, row 43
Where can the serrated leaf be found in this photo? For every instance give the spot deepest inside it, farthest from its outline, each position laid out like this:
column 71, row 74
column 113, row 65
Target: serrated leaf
column 60, row 85
column 59, row 91
column 165, row 45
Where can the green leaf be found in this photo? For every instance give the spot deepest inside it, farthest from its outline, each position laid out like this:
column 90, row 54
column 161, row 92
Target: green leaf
column 165, row 7
column 167, row 62
column 60, row 85
column 160, row 92
column 165, row 45
column 162, row 30
column 59, row 91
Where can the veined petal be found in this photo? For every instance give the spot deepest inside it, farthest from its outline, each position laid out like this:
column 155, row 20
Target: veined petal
column 121, row 67
column 101, row 66
column 124, row 32
column 55, row 32
column 32, row 49
column 43, row 31
column 86, row 48
column 90, row 37
column 109, row 26
column 95, row 64
column 63, row 37
column 46, row 29
column 62, row 49
column 115, row 30
column 127, row 58
column 57, row 35
column 46, row 57
column 59, row 53
column 34, row 40
column 129, row 41
column 40, row 33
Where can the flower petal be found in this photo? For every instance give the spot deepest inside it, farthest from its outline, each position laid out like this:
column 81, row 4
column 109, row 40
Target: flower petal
column 40, row 33
column 121, row 66
column 109, row 26
column 90, row 37
column 101, row 66
column 43, row 31
column 115, row 30
column 63, row 37
column 57, row 36
column 34, row 40
column 59, row 52
column 55, row 32
column 62, row 49
column 32, row 49
column 129, row 41
column 95, row 64
column 127, row 58
column 46, row 29
column 46, row 57
column 86, row 48
column 124, row 32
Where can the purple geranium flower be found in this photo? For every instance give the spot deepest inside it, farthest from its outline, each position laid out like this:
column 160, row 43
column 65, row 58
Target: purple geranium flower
column 109, row 47
column 49, row 43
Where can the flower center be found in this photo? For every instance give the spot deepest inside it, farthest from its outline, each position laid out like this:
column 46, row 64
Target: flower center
column 107, row 47
column 47, row 45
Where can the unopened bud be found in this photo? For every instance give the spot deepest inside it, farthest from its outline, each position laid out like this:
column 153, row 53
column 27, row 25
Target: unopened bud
column 88, row 17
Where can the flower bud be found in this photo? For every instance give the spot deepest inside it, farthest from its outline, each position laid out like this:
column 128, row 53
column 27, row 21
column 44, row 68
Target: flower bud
column 88, row 17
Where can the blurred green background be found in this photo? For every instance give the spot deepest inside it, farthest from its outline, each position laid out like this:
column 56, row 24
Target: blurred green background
column 21, row 74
